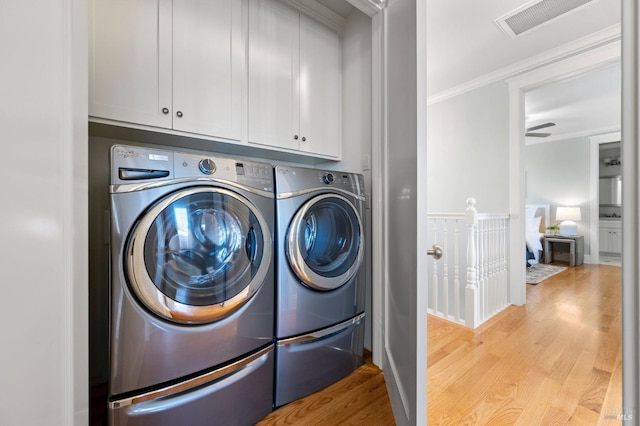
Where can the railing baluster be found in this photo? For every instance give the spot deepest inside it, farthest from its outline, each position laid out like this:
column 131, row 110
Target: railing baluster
column 471, row 289
column 485, row 282
column 435, row 272
column 456, row 274
column 445, row 278
column 482, row 262
column 492, row 270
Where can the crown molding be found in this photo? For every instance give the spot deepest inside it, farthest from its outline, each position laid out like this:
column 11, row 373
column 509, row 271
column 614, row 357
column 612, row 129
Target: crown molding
column 607, row 137
column 319, row 12
column 601, row 38
column 368, row 7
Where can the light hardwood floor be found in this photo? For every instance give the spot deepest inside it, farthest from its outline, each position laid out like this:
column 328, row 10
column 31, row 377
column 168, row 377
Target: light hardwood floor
column 359, row 399
column 554, row 361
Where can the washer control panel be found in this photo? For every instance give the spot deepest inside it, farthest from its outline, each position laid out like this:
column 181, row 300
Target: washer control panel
column 250, row 173
column 131, row 164
column 207, row 166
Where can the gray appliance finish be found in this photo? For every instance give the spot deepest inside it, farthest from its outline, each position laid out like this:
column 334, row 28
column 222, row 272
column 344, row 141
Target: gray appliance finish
column 320, row 290
column 192, row 287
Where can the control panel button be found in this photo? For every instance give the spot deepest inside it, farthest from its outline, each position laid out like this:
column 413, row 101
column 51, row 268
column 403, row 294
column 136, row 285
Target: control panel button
column 207, row 166
column 328, row 178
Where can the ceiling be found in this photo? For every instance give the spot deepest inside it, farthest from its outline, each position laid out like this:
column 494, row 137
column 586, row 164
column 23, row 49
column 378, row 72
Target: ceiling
column 464, row 43
column 580, row 106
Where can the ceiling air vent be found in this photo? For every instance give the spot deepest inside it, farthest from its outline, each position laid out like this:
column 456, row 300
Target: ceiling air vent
column 535, row 13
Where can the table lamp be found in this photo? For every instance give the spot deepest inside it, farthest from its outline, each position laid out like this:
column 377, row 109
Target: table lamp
column 568, row 216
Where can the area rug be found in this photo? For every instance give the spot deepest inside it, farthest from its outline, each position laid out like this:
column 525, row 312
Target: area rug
column 538, row 272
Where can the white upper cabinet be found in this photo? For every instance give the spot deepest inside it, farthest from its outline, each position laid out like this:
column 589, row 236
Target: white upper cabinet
column 320, row 88
column 173, row 64
column 273, row 74
column 294, row 81
column 233, row 70
column 130, row 61
column 208, row 64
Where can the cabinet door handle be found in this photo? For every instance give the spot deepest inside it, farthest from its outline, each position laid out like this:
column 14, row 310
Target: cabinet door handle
column 179, row 113
column 295, row 137
column 165, row 110
column 304, row 139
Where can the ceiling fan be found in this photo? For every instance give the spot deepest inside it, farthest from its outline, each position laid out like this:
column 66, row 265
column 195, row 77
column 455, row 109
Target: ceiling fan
column 530, row 130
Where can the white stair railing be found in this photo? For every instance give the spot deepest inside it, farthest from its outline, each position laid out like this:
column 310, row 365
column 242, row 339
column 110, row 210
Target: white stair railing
column 476, row 244
column 445, row 296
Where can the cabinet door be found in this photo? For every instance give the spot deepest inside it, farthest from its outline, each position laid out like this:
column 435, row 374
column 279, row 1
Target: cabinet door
column 605, row 240
column 273, row 74
column 616, row 241
column 320, row 89
column 130, row 61
column 208, row 64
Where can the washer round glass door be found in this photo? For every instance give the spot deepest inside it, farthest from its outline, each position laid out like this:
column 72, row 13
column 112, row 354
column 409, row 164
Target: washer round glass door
column 198, row 255
column 325, row 242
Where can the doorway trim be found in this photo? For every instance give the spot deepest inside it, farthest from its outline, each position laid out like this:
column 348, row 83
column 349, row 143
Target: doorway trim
column 574, row 63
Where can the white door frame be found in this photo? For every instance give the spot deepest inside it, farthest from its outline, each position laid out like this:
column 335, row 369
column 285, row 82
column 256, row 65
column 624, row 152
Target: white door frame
column 599, row 55
column 403, row 400
column 630, row 210
column 594, row 188
column 374, row 11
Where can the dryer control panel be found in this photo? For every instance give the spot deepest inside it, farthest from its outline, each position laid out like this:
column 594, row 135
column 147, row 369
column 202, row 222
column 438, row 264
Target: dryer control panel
column 293, row 179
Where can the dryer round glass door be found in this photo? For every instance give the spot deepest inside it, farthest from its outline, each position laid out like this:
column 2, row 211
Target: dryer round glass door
column 198, row 255
column 325, row 242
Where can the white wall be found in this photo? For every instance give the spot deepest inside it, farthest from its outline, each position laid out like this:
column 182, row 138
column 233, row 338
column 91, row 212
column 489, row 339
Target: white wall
column 43, row 226
column 467, row 151
column 356, row 125
column 558, row 174
column 356, row 94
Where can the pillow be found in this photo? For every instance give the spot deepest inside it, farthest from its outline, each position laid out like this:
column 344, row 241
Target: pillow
column 530, row 213
column 533, row 224
column 532, row 236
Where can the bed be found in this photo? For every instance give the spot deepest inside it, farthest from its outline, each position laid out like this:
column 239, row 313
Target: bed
column 536, row 221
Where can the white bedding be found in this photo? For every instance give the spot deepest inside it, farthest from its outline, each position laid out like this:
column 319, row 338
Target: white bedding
column 533, row 235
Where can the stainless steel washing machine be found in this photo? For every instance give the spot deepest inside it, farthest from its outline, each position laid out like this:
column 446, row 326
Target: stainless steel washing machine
column 320, row 291
column 192, row 288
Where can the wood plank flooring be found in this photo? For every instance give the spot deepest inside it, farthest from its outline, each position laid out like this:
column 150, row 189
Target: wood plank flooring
column 359, row 399
column 554, row 361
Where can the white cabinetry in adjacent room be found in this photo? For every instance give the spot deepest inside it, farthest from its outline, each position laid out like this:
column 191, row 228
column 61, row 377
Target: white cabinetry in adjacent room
column 171, row 64
column 610, row 236
column 294, row 81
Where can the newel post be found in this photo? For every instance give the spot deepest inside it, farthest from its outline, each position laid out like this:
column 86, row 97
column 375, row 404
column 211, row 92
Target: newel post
column 472, row 299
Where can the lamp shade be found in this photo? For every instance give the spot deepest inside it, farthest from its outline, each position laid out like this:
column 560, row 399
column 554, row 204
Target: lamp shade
column 568, row 213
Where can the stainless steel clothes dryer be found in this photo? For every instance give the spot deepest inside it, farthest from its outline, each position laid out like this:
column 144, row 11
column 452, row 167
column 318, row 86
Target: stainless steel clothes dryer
column 320, row 291
column 192, row 288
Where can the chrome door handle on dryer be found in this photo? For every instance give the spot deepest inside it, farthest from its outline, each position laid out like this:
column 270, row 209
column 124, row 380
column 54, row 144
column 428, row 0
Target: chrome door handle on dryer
column 436, row 252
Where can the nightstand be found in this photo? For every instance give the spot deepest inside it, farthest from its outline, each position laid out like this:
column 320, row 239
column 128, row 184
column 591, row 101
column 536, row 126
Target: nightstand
column 576, row 248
